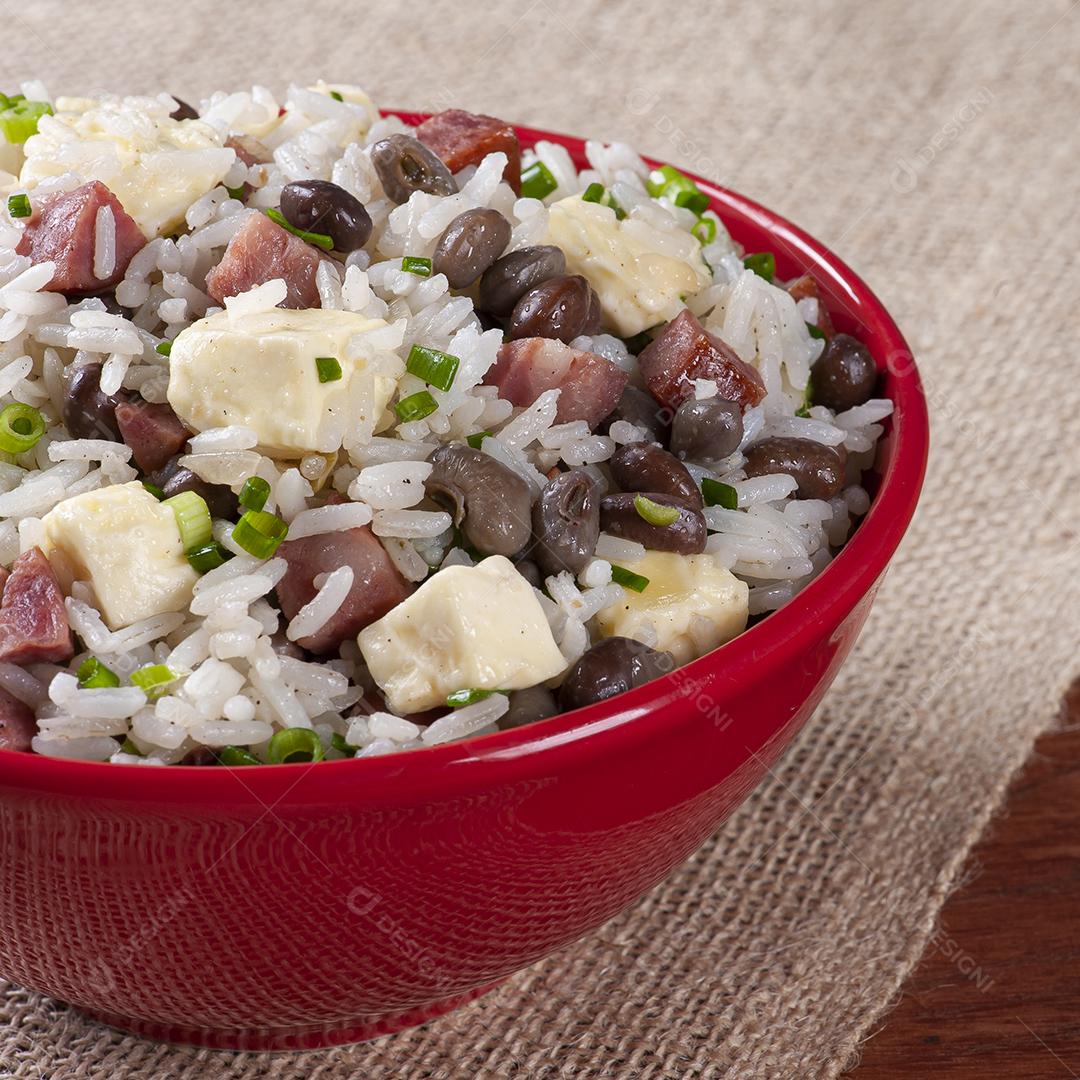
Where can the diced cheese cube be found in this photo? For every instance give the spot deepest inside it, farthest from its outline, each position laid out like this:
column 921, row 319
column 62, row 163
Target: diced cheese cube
column 692, row 602
column 468, row 627
column 639, row 272
column 127, row 545
column 259, row 370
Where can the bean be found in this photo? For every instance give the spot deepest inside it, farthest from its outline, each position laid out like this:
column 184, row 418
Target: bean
column 530, row 572
column 527, row 706
column 469, row 245
column 646, row 467
column 707, row 430
column 686, row 535
column 183, row 110
column 172, row 479
column 642, row 410
column 566, row 523
column 844, row 375
column 508, row 279
column 491, row 502
column 611, row 667
column 818, row 469
column 557, row 308
column 405, row 165
column 322, row 207
column 87, row 412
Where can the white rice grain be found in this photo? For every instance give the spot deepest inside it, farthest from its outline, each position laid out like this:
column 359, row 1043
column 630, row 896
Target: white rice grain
column 104, row 245
column 465, row 721
column 322, row 607
column 334, row 517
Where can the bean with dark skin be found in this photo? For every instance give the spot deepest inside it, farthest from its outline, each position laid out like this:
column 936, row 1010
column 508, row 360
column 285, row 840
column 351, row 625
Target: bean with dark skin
column 220, row 500
column 530, row 572
column 183, row 110
column 641, row 409
column 527, row 706
column 405, row 165
column 87, row 412
column 490, row 502
column 844, row 375
column 611, row 667
column 686, row 535
column 707, row 430
column 647, row 467
column 566, row 523
column 508, row 279
column 818, row 469
column 322, row 207
column 560, row 307
column 469, row 245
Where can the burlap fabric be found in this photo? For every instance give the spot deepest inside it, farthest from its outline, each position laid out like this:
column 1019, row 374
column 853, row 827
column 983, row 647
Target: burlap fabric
column 934, row 146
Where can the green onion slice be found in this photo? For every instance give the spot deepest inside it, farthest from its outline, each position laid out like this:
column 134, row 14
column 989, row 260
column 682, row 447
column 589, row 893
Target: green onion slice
column 19, row 120
column 164, row 348
column 717, row 493
column 667, row 182
column 153, row 679
column 628, row 579
column 208, row 557
column 413, row 264
column 192, row 519
column 337, row 741
column 415, row 407
column 320, row 240
column 295, row 745
column 460, row 698
column 336, row 95
column 815, row 331
column 537, row 181
column 259, row 533
column 237, row 755
column 128, row 747
column 236, row 193
column 154, row 490
column 19, row 206
column 328, row 368
column 20, row 428
column 655, row 513
column 254, row 493
column 705, row 230
column 93, row 674
column 439, row 369
column 763, row 263
column 476, row 439
column 593, row 193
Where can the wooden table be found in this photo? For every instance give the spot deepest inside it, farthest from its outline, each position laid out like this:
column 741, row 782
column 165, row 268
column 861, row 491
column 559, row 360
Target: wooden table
column 998, row 992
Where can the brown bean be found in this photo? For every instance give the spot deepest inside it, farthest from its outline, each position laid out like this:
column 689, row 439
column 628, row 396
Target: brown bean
column 611, row 667
column 818, row 469
column 844, row 375
column 508, row 279
column 469, row 245
column 87, row 412
column 646, row 467
column 566, row 523
column 527, row 706
column 405, row 165
column 707, row 430
column 686, row 535
column 322, row 207
column 559, row 308
column 642, row 410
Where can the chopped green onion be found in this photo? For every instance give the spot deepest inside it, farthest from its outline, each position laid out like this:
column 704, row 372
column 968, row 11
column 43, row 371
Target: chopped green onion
column 153, row 679
column 460, row 698
column 655, row 513
column 597, row 193
column 328, row 367
column 236, row 192
column 336, row 96
column 20, row 428
column 808, row 400
column 413, row 264
column 259, row 533
column 415, row 407
column 209, row 557
column 593, row 193
column 705, row 230
column 19, row 120
column 537, row 181
column 434, row 367
column 815, row 331
column 337, row 741
column 164, row 348
column 763, row 263
column 667, row 182
column 697, row 202
column 295, row 745
column 93, row 674
column 628, row 579
column 19, row 206
column 128, row 747
column 476, row 439
column 192, row 519
column 237, row 755
column 154, row 490
column 254, row 493
column 318, row 239
column 717, row 493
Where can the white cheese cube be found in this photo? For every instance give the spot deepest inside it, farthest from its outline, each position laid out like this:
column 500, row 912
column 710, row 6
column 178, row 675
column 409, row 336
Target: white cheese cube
column 467, row 627
column 127, row 545
column 259, row 370
column 692, row 602
column 639, row 272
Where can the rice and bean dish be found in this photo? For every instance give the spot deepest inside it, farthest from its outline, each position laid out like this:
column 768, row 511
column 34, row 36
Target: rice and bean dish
column 326, row 436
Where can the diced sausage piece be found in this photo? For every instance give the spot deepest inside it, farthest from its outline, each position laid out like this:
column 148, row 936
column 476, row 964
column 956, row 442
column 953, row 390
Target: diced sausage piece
column 63, row 230
column 261, row 251
column 684, row 351
column 153, row 431
column 463, row 138
column 249, row 150
column 591, row 385
column 377, row 586
column 17, row 724
column 33, row 620
column 806, row 288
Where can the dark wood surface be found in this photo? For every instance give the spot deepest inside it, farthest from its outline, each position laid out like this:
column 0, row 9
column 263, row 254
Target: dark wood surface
column 997, row 994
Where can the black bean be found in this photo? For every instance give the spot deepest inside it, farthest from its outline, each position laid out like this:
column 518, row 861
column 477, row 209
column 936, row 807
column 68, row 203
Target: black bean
column 557, row 308
column 642, row 410
column 566, row 523
column 508, row 279
column 172, row 479
column 844, row 375
column 707, row 430
column 405, row 165
column 183, row 110
column 87, row 412
column 686, row 535
column 530, row 572
column 322, row 207
column 489, row 501
column 647, row 467
column 611, row 667
column 469, row 245
column 818, row 469
column 528, row 706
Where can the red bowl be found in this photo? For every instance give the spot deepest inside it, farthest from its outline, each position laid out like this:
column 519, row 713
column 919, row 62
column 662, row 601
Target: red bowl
column 287, row 907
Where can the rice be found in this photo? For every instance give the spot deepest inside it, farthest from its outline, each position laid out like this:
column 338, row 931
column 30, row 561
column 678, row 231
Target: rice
column 323, row 606
column 331, row 518
column 104, row 243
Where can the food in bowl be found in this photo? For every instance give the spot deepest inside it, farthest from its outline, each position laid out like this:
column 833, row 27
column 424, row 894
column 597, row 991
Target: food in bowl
column 330, row 436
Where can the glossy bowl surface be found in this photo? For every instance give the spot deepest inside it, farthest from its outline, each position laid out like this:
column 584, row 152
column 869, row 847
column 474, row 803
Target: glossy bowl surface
column 291, row 906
